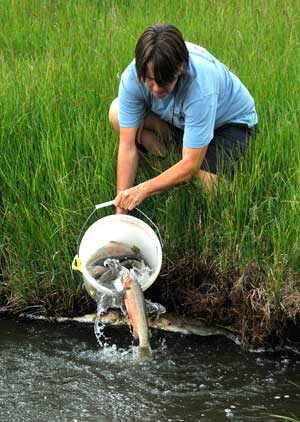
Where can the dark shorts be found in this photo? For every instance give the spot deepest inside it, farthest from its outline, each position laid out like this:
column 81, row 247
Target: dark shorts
column 227, row 147
column 225, row 150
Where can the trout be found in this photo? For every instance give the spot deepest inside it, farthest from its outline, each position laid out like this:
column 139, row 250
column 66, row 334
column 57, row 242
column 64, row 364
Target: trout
column 114, row 250
column 136, row 309
column 128, row 256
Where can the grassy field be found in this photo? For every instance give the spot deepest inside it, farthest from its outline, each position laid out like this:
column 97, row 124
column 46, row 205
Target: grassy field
column 232, row 259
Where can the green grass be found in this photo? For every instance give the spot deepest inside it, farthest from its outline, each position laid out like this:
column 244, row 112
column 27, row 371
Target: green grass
column 60, row 63
column 285, row 418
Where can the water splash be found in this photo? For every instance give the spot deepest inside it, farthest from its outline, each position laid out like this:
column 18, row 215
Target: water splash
column 137, row 269
column 103, row 303
column 155, row 308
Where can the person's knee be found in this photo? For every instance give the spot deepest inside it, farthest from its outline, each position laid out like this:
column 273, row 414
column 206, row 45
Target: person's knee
column 155, row 123
column 113, row 114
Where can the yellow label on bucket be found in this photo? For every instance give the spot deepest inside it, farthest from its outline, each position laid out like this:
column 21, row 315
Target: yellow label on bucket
column 76, row 264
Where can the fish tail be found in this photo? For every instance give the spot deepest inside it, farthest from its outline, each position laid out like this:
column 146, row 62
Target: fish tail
column 145, row 352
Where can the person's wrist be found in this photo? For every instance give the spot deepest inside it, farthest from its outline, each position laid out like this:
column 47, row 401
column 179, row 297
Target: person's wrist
column 143, row 188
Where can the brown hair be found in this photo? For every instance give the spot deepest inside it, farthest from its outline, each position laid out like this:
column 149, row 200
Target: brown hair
column 163, row 46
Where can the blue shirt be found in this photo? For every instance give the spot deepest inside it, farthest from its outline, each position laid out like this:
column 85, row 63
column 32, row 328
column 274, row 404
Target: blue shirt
column 206, row 97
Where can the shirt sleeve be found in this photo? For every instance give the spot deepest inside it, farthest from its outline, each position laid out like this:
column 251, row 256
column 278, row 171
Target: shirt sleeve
column 132, row 105
column 200, row 115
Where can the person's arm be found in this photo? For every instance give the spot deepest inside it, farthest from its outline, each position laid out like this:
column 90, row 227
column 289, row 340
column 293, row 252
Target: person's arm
column 183, row 171
column 127, row 161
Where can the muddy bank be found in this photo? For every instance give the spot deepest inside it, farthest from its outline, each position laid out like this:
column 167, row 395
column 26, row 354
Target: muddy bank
column 197, row 289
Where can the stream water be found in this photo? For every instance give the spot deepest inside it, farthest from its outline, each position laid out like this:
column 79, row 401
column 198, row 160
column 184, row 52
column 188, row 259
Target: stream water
column 57, row 372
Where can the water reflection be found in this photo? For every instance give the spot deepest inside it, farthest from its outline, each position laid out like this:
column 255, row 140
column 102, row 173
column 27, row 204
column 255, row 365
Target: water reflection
column 57, row 372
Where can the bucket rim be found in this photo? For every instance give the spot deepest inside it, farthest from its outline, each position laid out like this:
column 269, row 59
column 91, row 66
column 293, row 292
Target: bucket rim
column 121, row 218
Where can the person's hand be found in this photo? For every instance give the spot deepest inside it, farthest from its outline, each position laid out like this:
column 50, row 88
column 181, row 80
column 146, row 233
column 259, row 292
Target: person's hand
column 120, row 211
column 128, row 199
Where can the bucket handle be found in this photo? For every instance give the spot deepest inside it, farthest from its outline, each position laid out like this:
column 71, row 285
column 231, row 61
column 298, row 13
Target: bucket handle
column 153, row 224
column 107, row 204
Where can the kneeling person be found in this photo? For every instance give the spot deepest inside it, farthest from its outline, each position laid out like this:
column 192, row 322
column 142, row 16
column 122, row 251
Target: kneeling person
column 175, row 89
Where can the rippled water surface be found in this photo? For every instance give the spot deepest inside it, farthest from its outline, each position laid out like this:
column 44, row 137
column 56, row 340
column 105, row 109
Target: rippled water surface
column 57, row 372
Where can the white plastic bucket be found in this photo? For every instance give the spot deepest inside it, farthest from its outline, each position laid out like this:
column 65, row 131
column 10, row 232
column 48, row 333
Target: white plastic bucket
column 120, row 228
